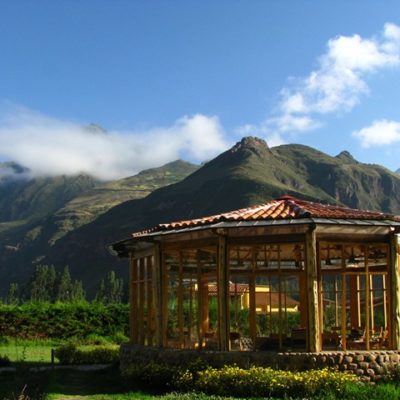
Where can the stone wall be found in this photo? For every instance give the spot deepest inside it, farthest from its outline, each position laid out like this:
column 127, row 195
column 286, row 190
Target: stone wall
column 369, row 365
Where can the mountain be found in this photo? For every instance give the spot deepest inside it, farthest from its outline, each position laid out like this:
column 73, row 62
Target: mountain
column 248, row 173
column 35, row 213
column 397, row 171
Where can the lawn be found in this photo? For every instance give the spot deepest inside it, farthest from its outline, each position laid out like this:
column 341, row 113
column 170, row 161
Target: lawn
column 37, row 351
column 28, row 350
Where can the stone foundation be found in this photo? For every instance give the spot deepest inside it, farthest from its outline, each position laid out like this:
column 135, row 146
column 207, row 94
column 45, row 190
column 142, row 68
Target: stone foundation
column 369, row 365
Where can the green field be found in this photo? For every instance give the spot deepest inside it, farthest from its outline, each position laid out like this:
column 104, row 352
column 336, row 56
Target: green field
column 28, row 350
column 38, row 351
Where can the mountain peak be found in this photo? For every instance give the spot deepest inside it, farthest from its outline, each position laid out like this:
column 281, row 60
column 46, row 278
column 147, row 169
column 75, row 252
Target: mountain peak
column 251, row 143
column 346, row 156
column 95, row 129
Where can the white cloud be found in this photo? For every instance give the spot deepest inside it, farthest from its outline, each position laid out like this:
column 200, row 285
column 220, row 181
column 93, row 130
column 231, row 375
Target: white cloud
column 379, row 133
column 50, row 146
column 337, row 84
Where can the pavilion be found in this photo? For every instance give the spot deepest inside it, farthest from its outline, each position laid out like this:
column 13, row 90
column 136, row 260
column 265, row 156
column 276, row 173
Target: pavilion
column 285, row 275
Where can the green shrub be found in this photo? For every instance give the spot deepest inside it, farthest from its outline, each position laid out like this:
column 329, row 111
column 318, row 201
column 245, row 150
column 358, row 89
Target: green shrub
column 264, row 382
column 153, row 375
column 64, row 320
column 238, row 382
column 71, row 354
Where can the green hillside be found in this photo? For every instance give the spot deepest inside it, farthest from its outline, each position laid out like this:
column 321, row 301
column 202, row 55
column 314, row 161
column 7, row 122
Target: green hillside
column 248, row 173
column 25, row 242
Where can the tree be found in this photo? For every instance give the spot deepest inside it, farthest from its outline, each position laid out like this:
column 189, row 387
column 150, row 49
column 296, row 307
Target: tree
column 78, row 294
column 64, row 286
column 42, row 283
column 111, row 289
column 13, row 294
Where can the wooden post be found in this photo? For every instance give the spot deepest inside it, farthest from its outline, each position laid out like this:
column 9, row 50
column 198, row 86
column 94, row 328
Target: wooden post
column 204, row 319
column 180, row 304
column 314, row 331
column 367, row 299
column 157, row 294
column 164, row 300
column 133, row 326
column 141, row 303
column 200, row 329
column 223, row 295
column 150, row 303
column 303, row 300
column 395, row 290
column 252, row 298
column 354, row 301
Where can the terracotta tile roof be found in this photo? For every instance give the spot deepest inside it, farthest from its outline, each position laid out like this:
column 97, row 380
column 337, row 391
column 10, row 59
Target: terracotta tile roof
column 285, row 207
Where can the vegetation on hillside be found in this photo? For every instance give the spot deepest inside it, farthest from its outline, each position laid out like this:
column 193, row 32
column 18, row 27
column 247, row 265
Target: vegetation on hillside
column 35, row 213
column 247, row 174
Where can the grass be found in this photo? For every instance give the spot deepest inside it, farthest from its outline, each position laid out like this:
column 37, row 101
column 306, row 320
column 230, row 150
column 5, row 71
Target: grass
column 37, row 351
column 20, row 350
column 107, row 384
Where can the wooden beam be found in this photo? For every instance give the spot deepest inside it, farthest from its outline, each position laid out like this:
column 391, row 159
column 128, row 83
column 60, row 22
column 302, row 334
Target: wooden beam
column 200, row 326
column 314, row 331
column 223, row 295
column 395, row 290
column 141, row 302
column 367, row 300
column 133, row 327
column 252, row 298
column 150, row 301
column 354, row 301
column 157, row 293
column 180, row 304
column 164, row 300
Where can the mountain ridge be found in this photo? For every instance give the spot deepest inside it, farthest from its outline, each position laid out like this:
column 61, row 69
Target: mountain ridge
column 249, row 173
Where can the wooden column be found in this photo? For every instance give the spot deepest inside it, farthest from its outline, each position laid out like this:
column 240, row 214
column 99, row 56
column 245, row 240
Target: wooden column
column 200, row 327
column 164, row 300
column 367, row 300
column 133, row 327
column 314, row 331
column 223, row 295
column 252, row 297
column 354, row 301
column 141, row 303
column 157, row 294
column 150, row 303
column 303, row 299
column 205, row 320
column 180, row 304
column 395, row 291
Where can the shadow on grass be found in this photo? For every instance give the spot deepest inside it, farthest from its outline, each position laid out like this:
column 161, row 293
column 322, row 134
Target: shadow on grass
column 66, row 381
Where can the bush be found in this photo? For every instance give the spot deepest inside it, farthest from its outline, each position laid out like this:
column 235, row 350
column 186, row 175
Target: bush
column 266, row 382
column 71, row 354
column 237, row 382
column 153, row 375
column 64, row 320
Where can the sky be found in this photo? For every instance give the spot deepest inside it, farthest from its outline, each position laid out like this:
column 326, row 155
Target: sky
column 188, row 79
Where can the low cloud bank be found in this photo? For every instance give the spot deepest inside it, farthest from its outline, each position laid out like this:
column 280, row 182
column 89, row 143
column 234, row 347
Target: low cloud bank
column 49, row 146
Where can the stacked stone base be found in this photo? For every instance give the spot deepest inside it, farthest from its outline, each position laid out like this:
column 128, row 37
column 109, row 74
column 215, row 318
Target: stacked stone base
column 369, row 365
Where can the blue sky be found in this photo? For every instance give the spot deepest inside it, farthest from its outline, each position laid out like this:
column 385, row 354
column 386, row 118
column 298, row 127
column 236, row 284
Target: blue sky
column 171, row 79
